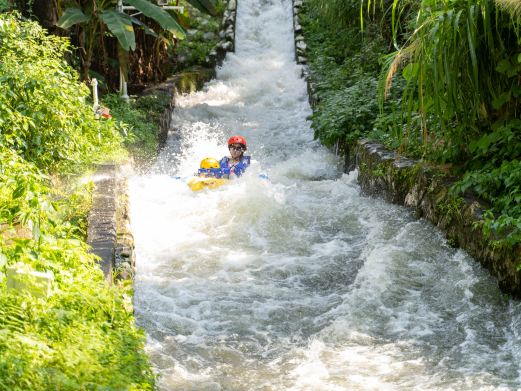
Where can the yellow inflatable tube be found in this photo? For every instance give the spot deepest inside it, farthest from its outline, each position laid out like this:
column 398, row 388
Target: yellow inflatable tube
column 197, row 183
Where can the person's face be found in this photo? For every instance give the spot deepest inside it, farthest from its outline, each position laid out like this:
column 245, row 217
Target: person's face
column 236, row 150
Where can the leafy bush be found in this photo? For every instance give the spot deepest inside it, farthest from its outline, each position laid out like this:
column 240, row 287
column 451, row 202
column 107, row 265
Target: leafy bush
column 82, row 335
column 140, row 117
column 455, row 89
column 345, row 69
column 203, row 35
column 496, row 177
column 43, row 110
column 347, row 114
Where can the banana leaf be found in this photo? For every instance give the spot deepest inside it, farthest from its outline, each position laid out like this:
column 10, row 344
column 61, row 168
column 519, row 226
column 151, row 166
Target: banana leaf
column 147, row 29
column 72, row 16
column 206, row 6
column 159, row 15
column 123, row 61
column 121, row 26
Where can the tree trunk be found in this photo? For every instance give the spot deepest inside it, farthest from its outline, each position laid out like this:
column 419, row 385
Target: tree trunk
column 46, row 11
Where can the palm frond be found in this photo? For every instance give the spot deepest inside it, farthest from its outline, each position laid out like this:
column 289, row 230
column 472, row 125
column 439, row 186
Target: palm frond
column 513, row 7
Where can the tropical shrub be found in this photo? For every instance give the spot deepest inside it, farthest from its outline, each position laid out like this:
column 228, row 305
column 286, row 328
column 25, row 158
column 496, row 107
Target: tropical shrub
column 345, row 68
column 461, row 62
column 93, row 23
column 345, row 115
column 141, row 118
column 449, row 92
column 44, row 114
column 462, row 65
column 76, row 332
column 201, row 38
column 82, row 335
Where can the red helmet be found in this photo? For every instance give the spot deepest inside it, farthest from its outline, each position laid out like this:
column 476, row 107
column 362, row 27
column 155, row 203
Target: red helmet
column 237, row 140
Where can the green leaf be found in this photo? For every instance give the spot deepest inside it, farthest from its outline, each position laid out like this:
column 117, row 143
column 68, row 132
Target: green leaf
column 206, row 6
column 498, row 102
column 121, row 26
column 410, row 71
column 159, row 15
column 504, row 66
column 72, row 16
column 19, row 191
column 145, row 28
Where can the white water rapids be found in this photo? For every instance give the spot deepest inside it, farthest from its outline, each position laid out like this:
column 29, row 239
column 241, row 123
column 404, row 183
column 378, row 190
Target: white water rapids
column 299, row 282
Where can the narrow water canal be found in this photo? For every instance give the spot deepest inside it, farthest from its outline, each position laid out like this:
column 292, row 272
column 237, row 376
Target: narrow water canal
column 300, row 282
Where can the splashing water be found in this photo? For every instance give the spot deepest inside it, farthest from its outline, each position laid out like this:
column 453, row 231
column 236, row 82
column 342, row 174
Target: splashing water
column 300, row 282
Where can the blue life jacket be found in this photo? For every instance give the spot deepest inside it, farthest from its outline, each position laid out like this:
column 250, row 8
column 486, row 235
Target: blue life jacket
column 238, row 169
column 210, row 172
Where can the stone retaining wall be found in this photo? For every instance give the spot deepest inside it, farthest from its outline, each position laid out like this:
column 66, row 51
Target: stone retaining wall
column 109, row 233
column 301, row 53
column 384, row 173
column 102, row 217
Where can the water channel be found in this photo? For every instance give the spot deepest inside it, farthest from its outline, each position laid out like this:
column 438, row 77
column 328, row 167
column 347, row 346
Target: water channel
column 299, row 282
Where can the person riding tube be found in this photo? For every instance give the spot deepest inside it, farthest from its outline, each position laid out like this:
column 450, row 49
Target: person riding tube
column 208, row 176
column 237, row 162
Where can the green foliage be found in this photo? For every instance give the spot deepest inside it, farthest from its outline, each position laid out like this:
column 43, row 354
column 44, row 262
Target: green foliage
column 511, row 6
column 81, row 336
column 501, row 186
column 345, row 69
column 455, row 92
column 92, row 23
column 201, row 38
column 74, row 205
column 4, row 5
column 451, row 208
column 119, row 24
column 141, row 117
column 165, row 20
column 462, row 65
column 43, row 110
column 347, row 114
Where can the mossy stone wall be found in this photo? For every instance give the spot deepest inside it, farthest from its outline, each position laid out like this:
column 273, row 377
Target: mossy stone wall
column 406, row 182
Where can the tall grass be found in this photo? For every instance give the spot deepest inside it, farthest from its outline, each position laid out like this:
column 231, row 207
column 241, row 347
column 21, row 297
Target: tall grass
column 460, row 61
column 511, row 6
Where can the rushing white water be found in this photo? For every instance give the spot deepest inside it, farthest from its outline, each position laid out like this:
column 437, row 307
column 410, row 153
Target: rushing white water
column 300, row 282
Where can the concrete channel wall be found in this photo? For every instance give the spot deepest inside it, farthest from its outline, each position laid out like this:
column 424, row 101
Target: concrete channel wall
column 109, row 227
column 386, row 174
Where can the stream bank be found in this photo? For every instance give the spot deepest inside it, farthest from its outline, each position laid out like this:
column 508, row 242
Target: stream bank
column 421, row 186
column 424, row 188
